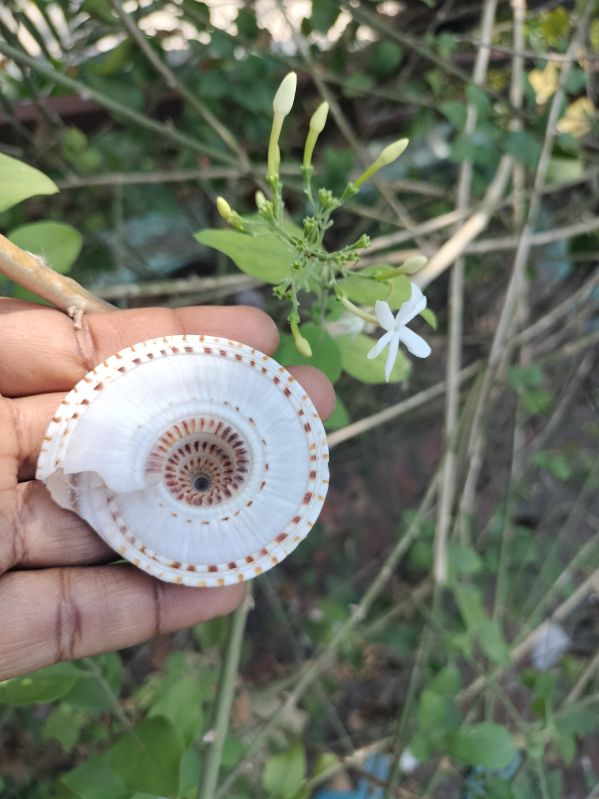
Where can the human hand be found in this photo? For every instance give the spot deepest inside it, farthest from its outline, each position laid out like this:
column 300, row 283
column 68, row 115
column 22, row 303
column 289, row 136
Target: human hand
column 59, row 596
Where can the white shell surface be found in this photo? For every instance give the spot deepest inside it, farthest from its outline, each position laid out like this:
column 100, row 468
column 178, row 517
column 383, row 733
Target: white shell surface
column 199, row 459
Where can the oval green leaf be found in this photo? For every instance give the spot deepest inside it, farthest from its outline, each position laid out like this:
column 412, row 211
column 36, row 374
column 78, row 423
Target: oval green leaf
column 19, row 181
column 488, row 745
column 285, row 773
column 264, row 256
column 58, row 244
column 148, row 757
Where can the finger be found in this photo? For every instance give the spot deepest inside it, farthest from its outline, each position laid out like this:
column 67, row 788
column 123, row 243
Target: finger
column 62, row 614
column 318, row 386
column 32, row 415
column 47, row 535
column 42, row 351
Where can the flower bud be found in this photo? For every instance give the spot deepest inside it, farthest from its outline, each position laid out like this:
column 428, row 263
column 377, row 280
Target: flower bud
column 302, row 344
column 392, row 151
column 319, row 118
column 285, row 95
column 413, row 265
column 389, row 154
column 260, row 199
column 224, row 209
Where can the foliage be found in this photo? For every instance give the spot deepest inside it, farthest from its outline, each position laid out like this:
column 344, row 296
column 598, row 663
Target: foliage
column 335, row 660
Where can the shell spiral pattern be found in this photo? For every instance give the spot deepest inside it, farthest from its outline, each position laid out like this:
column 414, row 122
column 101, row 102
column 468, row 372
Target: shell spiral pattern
column 199, row 459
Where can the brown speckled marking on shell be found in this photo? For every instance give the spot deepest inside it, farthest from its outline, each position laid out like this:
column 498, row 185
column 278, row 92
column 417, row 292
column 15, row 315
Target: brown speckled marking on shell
column 197, row 464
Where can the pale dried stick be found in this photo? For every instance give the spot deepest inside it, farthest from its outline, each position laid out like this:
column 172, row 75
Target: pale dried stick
column 456, row 303
column 32, row 272
column 381, row 417
column 506, row 318
column 475, row 224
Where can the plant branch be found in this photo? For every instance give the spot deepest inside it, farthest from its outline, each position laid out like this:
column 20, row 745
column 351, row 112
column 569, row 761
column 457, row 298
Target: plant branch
column 87, row 93
column 31, row 272
column 224, row 699
column 456, row 304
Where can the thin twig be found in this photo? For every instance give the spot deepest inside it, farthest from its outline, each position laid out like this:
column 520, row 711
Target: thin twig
column 173, row 82
column 506, row 317
column 456, row 304
column 88, row 93
column 381, row 417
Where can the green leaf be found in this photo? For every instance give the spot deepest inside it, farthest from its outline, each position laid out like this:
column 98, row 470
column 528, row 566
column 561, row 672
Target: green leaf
column 364, row 290
column 355, row 363
column 324, row 762
column 488, row 745
column 478, row 98
column 263, row 256
column 148, row 757
column 523, row 146
column 89, row 693
column 463, row 560
column 284, row 774
column 94, row 779
column 57, row 243
column 470, row 605
column 384, row 59
column 212, row 633
column 181, row 704
column 430, row 317
column 44, row 685
column 401, row 291
column 324, row 14
column 325, row 352
column 339, row 417
column 555, row 463
column 447, row 681
column 18, row 182
column 492, row 642
column 455, row 111
column 64, row 725
column 437, row 714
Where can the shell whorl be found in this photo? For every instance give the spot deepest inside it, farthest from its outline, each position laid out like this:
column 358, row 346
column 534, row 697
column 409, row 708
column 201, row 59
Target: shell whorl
column 199, row 459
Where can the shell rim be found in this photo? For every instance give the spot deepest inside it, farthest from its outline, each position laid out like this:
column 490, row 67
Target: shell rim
column 200, row 575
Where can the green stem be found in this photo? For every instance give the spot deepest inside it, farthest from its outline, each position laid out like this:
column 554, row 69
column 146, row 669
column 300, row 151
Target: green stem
column 207, row 788
column 87, row 93
column 358, row 311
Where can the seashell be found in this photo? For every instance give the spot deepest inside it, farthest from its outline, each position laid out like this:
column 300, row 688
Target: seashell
column 199, row 459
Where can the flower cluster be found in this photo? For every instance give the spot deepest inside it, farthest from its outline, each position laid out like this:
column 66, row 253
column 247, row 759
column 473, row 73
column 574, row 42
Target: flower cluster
column 314, row 269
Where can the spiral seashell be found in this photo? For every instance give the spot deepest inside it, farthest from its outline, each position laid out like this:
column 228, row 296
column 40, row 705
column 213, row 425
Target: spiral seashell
column 199, row 459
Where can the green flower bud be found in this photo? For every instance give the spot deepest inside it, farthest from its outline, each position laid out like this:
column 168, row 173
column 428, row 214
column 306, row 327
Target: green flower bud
column 285, row 95
column 392, row 152
column 261, row 201
column 223, row 208
column 317, row 123
column 413, row 265
column 319, row 118
column 302, row 344
column 386, row 156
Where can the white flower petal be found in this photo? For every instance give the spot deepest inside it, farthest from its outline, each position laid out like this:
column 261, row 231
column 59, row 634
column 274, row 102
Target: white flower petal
column 415, row 343
column 379, row 346
column 382, row 311
column 411, row 307
column 392, row 355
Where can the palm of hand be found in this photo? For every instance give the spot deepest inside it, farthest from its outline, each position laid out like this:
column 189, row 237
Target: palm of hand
column 59, row 596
